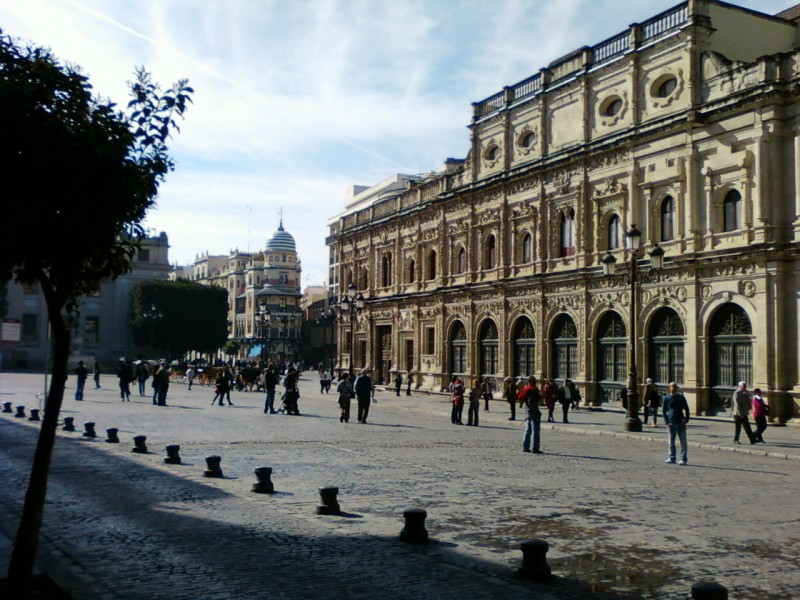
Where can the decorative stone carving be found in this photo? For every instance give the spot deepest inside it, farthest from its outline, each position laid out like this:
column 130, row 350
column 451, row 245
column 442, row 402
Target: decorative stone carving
column 747, row 288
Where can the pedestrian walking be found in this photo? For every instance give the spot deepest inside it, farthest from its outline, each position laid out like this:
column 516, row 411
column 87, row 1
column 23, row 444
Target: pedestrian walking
column 163, row 383
column 652, row 401
column 345, row 392
column 398, row 383
column 568, row 396
column 364, row 390
column 510, row 394
column 408, row 383
column 269, row 379
column 474, row 404
column 291, row 396
column 531, row 397
column 741, row 409
column 142, row 375
column 155, row 383
column 676, row 415
column 550, row 393
column 486, row 393
column 96, row 373
column 219, row 389
column 230, row 380
column 190, row 373
column 123, row 375
column 456, row 399
column 82, row 374
column 760, row 413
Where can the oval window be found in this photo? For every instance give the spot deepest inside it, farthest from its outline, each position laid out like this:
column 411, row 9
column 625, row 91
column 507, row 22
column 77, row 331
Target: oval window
column 492, row 153
column 666, row 87
column 613, row 106
column 527, row 140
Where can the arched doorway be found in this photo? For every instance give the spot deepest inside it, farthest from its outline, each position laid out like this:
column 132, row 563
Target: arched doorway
column 458, row 349
column 524, row 347
column 489, row 347
column 565, row 348
column 612, row 356
column 666, row 336
column 731, row 353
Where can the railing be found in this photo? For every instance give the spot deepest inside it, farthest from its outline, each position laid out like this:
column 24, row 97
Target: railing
column 430, row 189
column 490, row 105
column 664, row 22
column 610, row 48
column 529, row 86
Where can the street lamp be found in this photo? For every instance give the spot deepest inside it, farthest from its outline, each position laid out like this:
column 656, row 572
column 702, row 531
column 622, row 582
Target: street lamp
column 152, row 314
column 656, row 254
column 349, row 306
column 264, row 318
column 326, row 319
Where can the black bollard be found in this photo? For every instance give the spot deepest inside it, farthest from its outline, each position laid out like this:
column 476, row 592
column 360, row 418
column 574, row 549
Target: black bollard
column 89, row 430
column 214, row 470
column 708, row 590
column 20, row 412
column 173, row 454
column 111, row 436
column 264, row 485
column 534, row 560
column 139, row 445
column 329, row 504
column 34, row 415
column 7, row 407
column 414, row 530
column 69, row 424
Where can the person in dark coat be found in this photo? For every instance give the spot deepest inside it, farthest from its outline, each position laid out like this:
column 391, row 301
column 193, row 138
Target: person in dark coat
column 363, row 388
column 567, row 395
column 676, row 415
column 82, row 373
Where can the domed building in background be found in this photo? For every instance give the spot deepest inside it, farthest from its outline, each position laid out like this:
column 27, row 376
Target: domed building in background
column 264, row 314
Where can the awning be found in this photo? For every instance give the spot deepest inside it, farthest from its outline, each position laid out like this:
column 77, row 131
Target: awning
column 255, row 350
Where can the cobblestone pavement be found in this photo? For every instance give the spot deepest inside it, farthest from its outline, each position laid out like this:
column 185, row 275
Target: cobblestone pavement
column 620, row 522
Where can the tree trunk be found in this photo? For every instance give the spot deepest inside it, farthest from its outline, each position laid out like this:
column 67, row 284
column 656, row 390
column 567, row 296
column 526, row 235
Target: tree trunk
column 23, row 556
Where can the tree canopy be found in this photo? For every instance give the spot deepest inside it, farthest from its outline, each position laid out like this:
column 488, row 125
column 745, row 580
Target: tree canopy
column 192, row 316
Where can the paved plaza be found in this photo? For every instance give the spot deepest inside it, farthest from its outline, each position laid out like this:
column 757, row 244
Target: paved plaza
column 620, row 523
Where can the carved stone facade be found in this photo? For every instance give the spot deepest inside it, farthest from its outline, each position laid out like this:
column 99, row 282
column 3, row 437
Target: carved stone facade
column 686, row 126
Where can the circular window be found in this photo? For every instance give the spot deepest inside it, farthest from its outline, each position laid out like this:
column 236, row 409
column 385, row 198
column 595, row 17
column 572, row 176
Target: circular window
column 613, row 106
column 666, row 87
column 492, row 153
column 527, row 140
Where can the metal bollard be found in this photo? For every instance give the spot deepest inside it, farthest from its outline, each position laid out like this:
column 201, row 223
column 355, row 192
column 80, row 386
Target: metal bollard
column 264, row 485
column 173, row 454
column 709, row 590
column 69, row 424
column 20, row 412
column 89, row 430
column 139, row 445
column 34, row 415
column 534, row 560
column 214, row 470
column 329, row 505
column 414, row 531
column 7, row 407
column 111, row 436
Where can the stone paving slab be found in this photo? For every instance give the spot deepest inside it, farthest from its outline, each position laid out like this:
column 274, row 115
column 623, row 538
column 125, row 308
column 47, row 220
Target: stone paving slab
column 121, row 525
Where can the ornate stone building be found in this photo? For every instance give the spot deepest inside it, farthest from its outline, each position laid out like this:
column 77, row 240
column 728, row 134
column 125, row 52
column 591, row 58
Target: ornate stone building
column 687, row 126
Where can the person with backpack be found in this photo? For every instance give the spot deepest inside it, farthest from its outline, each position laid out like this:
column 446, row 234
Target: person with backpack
column 363, row 388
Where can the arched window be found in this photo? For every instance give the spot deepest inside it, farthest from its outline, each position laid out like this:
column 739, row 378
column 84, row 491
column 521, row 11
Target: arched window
column 489, row 340
column 612, row 349
column 458, row 349
column 526, row 250
column 731, row 210
column 667, row 219
column 490, row 249
column 731, row 349
column 410, row 272
column 613, row 232
column 432, row 264
column 565, row 348
column 524, row 348
column 567, row 237
column 461, row 260
column 666, row 335
column 363, row 280
column 386, row 270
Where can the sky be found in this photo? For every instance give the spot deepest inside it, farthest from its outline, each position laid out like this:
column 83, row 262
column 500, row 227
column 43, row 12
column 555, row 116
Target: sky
column 296, row 101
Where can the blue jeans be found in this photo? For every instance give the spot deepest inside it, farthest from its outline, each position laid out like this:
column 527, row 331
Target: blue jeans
column 270, row 402
column 533, row 425
column 680, row 431
column 79, row 389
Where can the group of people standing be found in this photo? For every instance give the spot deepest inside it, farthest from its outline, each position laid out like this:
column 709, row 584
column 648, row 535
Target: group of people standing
column 742, row 403
column 362, row 389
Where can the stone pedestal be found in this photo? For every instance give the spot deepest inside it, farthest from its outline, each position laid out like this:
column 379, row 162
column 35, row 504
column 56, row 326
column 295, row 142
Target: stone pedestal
column 140, row 447
column 709, row 590
column 414, row 530
column 534, row 560
column 20, row 413
column 7, row 407
column 89, row 431
column 329, row 506
column 34, row 415
column 264, row 485
column 69, row 424
column 214, row 469
column 111, row 435
column 173, row 454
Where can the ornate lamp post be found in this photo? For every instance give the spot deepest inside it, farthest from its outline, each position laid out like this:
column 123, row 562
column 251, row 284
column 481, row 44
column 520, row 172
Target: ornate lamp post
column 152, row 315
column 326, row 319
column 349, row 306
column 264, row 318
column 656, row 254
